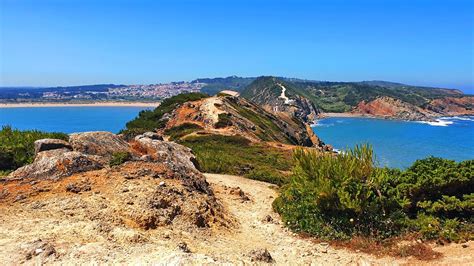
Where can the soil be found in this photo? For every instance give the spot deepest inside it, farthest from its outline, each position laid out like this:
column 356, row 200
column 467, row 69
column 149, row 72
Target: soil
column 61, row 227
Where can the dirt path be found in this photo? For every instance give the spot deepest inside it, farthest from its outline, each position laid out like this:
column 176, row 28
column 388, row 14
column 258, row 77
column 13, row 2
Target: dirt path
column 284, row 246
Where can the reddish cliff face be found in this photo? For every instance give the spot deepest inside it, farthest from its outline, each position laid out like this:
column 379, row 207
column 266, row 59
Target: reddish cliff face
column 391, row 108
column 387, row 107
column 453, row 106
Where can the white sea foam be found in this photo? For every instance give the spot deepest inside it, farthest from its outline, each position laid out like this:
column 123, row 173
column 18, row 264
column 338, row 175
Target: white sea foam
column 438, row 122
column 463, row 118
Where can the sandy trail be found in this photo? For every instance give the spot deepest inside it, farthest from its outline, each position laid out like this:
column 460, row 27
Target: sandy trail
column 283, row 96
column 285, row 247
column 254, row 232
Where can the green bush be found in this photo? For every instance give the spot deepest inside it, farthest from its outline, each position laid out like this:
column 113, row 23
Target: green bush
column 150, row 120
column 338, row 197
column 236, row 155
column 119, row 158
column 182, row 130
column 224, row 121
column 17, row 147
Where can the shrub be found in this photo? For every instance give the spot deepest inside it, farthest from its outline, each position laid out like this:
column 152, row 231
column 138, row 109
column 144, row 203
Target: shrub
column 338, row 197
column 224, row 121
column 151, row 120
column 17, row 147
column 182, row 130
column 236, row 155
column 119, row 158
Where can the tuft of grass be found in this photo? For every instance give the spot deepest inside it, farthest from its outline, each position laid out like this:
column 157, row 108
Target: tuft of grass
column 119, row 158
column 236, row 155
column 182, row 130
column 224, row 121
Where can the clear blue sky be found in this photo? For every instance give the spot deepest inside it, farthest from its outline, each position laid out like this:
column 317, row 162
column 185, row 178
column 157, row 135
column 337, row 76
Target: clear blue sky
column 72, row 42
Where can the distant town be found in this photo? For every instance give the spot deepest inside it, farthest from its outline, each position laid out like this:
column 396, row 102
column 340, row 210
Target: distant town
column 114, row 92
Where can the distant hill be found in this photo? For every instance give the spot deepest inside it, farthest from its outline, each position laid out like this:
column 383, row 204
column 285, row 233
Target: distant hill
column 377, row 98
column 215, row 85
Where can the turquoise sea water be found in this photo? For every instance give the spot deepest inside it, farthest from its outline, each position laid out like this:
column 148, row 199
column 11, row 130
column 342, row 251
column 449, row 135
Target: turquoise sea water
column 69, row 119
column 400, row 143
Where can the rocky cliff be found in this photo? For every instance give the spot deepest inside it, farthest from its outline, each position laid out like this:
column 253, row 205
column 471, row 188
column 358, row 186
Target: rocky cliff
column 387, row 107
column 230, row 115
column 306, row 99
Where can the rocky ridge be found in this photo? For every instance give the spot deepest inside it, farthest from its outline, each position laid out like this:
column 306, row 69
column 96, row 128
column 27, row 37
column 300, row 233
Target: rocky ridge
column 233, row 115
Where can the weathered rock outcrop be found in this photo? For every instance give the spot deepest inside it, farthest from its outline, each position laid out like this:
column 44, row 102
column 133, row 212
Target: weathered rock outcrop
column 387, row 107
column 58, row 163
column 169, row 152
column 166, row 189
column 99, row 143
column 51, row 144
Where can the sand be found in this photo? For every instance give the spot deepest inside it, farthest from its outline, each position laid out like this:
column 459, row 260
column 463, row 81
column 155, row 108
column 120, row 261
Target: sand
column 98, row 104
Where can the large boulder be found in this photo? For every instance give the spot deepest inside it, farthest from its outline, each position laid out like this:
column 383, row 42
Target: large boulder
column 99, row 143
column 54, row 164
column 51, row 144
column 179, row 159
column 166, row 151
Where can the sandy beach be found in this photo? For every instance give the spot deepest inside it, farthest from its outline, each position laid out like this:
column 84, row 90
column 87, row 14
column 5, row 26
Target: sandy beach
column 326, row 115
column 98, row 104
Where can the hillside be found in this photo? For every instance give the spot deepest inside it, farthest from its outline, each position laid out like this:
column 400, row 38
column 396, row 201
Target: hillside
column 364, row 98
column 229, row 134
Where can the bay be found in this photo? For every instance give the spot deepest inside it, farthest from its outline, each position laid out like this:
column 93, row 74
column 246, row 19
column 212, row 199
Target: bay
column 400, row 143
column 70, row 119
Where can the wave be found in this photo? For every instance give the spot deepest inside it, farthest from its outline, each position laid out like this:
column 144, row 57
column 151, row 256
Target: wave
column 437, row 123
column 462, row 118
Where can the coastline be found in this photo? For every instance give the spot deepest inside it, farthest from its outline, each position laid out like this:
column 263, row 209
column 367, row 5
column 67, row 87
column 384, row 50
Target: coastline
column 327, row 115
column 92, row 104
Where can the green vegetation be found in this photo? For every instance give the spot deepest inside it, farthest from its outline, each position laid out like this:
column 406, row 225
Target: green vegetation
column 342, row 96
column 236, row 155
column 215, row 85
column 224, row 121
column 119, row 158
column 182, row 130
column 339, row 197
column 150, row 120
column 266, row 129
column 17, row 147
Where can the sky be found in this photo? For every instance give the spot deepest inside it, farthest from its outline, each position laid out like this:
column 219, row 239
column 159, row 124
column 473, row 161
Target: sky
column 72, row 42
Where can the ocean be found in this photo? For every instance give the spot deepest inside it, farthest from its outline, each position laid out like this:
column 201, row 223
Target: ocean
column 400, row 143
column 69, row 119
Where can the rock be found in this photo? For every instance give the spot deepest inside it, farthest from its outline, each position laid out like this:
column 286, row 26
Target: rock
column 180, row 160
column 78, row 187
column 261, row 255
column 324, row 247
column 99, row 143
column 165, row 151
column 238, row 192
column 152, row 135
column 162, row 184
column 268, row 219
column 146, row 158
column 184, row 247
column 464, row 245
column 39, row 248
column 54, row 164
column 51, row 144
